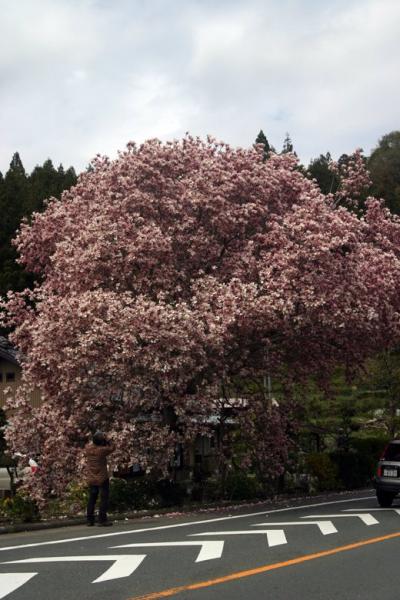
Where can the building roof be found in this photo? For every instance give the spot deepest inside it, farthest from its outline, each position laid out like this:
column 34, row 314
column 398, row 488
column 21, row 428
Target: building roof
column 8, row 352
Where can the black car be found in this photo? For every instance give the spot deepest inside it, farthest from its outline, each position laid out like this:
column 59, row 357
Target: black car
column 387, row 478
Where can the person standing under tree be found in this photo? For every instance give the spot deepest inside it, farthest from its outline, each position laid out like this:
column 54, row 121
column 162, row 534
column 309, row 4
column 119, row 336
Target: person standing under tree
column 97, row 477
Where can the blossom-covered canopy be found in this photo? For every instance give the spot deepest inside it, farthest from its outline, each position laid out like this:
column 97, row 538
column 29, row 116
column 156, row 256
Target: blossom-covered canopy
column 182, row 267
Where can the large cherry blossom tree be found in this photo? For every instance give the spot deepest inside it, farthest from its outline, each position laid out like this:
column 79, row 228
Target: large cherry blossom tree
column 179, row 272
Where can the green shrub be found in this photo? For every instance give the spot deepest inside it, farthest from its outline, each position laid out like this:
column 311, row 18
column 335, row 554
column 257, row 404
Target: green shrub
column 171, row 493
column 77, row 497
column 19, row 509
column 145, row 493
column 242, row 486
column 353, row 468
column 321, row 466
column 357, row 466
column 210, row 490
column 120, row 495
column 132, row 494
column 370, row 448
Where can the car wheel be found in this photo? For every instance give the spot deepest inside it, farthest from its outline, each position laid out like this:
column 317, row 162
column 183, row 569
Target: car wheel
column 385, row 499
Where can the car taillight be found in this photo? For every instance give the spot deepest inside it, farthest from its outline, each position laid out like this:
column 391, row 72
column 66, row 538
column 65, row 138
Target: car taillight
column 379, row 471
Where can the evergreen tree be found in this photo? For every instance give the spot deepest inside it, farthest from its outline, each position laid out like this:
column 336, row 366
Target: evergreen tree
column 16, row 166
column 13, row 199
column 70, row 179
column 20, row 195
column 66, row 179
column 14, row 193
column 287, row 145
column 319, row 169
column 43, row 184
column 262, row 139
column 48, row 182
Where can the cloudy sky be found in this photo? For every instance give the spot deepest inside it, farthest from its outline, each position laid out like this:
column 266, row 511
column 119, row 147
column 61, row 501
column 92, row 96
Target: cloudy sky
column 80, row 77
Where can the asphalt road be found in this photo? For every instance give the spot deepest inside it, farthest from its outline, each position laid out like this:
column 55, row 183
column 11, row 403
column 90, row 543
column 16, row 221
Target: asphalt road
column 345, row 549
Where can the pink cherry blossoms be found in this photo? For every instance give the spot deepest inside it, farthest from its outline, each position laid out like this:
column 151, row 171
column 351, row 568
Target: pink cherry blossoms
column 171, row 277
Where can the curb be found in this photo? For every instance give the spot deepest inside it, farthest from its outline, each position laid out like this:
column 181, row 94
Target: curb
column 276, row 502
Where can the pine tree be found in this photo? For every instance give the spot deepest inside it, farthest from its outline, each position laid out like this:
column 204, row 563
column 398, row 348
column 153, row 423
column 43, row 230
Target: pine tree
column 43, row 184
column 66, row 179
column 13, row 200
column 70, row 178
column 16, row 166
column 262, row 139
column 14, row 195
column 287, row 145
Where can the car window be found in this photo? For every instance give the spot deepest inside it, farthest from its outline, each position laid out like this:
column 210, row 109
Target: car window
column 392, row 452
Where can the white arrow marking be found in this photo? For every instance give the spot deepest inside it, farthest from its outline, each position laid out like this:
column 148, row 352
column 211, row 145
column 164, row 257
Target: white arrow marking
column 124, row 564
column 275, row 537
column 367, row 518
column 208, row 551
column 9, row 582
column 396, row 510
column 326, row 527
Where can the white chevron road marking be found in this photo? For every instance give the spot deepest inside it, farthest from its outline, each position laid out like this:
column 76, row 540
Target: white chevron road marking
column 9, row 582
column 365, row 517
column 123, row 564
column 208, row 551
column 150, row 528
column 325, row 527
column 275, row 537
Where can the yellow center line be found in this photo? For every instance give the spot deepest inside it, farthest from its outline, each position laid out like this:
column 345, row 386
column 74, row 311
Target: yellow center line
column 263, row 568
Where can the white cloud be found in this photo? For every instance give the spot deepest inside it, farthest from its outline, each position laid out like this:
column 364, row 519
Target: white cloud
column 79, row 77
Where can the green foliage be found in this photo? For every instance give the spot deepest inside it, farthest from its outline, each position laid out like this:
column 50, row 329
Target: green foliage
column 122, row 495
column 353, row 468
column 357, row 466
column 125, row 495
column 242, row 486
column 171, row 493
column 382, row 379
column 321, row 466
column 344, row 410
column 384, row 167
column 370, row 447
column 18, row 509
column 347, row 468
column 76, row 499
column 318, row 169
column 238, row 485
column 144, row 493
column 287, row 145
column 20, row 195
column 262, row 139
column 207, row 491
column 46, row 182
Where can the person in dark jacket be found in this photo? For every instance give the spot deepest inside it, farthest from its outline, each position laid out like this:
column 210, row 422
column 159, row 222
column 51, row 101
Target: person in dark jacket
column 97, row 477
